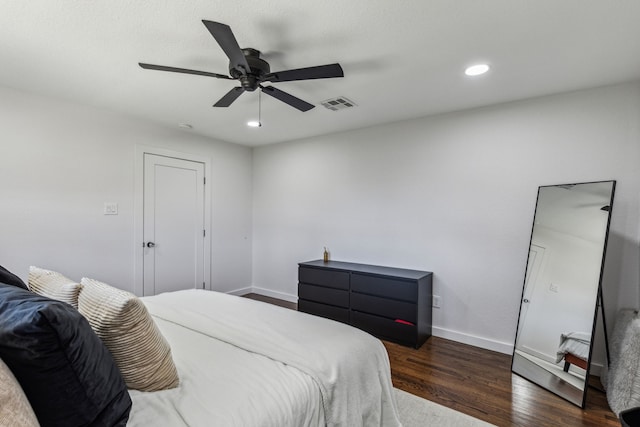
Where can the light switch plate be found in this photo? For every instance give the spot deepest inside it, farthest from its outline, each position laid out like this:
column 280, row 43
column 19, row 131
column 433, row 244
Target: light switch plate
column 110, row 208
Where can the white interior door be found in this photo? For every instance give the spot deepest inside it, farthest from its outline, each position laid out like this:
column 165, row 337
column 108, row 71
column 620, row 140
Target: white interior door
column 173, row 254
column 536, row 253
column 531, row 335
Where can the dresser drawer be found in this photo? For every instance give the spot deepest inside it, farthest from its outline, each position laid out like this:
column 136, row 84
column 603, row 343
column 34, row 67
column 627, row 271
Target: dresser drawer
column 384, row 287
column 324, row 277
column 384, row 307
column 385, row 328
column 331, row 296
column 324, row 310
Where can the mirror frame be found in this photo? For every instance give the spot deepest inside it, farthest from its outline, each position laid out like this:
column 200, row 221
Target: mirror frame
column 534, row 372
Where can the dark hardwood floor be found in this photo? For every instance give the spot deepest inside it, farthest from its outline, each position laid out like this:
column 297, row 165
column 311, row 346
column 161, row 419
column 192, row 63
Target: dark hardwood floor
column 281, row 303
column 479, row 383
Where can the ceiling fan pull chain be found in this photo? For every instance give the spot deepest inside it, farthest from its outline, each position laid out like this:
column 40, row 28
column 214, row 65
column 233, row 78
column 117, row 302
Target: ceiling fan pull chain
column 260, row 108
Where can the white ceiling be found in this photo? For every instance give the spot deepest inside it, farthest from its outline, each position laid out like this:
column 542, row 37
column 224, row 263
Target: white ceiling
column 401, row 59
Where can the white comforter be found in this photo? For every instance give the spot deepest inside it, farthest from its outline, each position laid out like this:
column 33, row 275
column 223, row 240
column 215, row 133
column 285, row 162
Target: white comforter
column 576, row 343
column 246, row 363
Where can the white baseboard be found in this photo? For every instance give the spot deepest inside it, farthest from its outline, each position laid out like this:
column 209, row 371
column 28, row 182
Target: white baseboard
column 596, row 369
column 500, row 347
column 488, row 344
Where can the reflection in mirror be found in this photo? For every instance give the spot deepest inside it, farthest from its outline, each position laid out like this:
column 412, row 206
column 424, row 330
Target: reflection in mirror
column 562, row 287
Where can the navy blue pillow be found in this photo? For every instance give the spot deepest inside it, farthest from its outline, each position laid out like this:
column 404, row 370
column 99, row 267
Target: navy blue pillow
column 65, row 370
column 11, row 279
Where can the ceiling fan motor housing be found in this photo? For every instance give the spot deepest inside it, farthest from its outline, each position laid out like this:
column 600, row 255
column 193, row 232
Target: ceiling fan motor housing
column 258, row 67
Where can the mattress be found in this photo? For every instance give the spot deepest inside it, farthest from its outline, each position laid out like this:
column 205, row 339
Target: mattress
column 246, row 363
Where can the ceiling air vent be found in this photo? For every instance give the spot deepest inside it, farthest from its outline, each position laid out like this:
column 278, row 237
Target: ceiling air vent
column 339, row 103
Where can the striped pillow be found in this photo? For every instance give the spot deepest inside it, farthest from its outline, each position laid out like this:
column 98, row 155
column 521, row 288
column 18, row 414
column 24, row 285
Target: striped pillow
column 127, row 329
column 54, row 285
column 15, row 409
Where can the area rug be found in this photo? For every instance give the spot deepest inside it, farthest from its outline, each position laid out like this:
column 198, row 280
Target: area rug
column 418, row 412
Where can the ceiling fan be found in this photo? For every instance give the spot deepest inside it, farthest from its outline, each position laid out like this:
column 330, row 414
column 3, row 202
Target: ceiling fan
column 246, row 66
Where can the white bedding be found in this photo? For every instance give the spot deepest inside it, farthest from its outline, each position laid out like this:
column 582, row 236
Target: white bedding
column 576, row 343
column 246, row 363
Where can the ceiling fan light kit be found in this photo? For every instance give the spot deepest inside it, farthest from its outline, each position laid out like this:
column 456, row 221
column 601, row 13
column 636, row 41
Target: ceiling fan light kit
column 246, row 66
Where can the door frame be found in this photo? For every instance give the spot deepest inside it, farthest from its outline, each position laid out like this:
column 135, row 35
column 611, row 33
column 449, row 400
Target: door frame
column 138, row 210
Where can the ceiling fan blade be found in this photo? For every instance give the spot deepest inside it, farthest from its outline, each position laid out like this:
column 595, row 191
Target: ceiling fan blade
column 287, row 98
column 231, row 96
column 309, row 73
column 227, row 41
column 182, row 70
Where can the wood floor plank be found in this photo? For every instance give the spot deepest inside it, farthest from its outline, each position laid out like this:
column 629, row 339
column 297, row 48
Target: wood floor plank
column 479, row 383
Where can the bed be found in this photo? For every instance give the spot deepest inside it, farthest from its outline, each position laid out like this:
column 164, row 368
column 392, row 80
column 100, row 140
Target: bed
column 574, row 349
column 187, row 358
column 246, row 363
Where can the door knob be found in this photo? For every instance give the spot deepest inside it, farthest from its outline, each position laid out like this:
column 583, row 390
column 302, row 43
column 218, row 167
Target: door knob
column 151, row 244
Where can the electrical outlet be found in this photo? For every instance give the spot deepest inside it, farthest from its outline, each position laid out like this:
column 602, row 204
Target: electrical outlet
column 436, row 301
column 110, row 208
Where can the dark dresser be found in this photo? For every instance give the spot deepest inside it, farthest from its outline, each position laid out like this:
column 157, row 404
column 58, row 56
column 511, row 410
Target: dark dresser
column 391, row 303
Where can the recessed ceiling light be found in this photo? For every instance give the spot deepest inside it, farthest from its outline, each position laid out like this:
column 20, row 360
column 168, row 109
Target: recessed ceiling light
column 185, row 126
column 254, row 124
column 476, row 70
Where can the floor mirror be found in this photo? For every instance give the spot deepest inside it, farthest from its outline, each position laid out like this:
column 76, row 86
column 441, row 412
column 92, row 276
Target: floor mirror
column 562, row 289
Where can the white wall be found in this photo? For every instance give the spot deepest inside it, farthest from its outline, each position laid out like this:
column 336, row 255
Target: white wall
column 453, row 194
column 61, row 162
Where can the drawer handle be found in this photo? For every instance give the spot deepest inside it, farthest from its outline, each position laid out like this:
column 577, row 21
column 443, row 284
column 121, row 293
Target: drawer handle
column 404, row 322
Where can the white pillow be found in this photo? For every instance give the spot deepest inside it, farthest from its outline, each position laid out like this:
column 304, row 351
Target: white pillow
column 15, row 409
column 54, row 285
column 127, row 329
